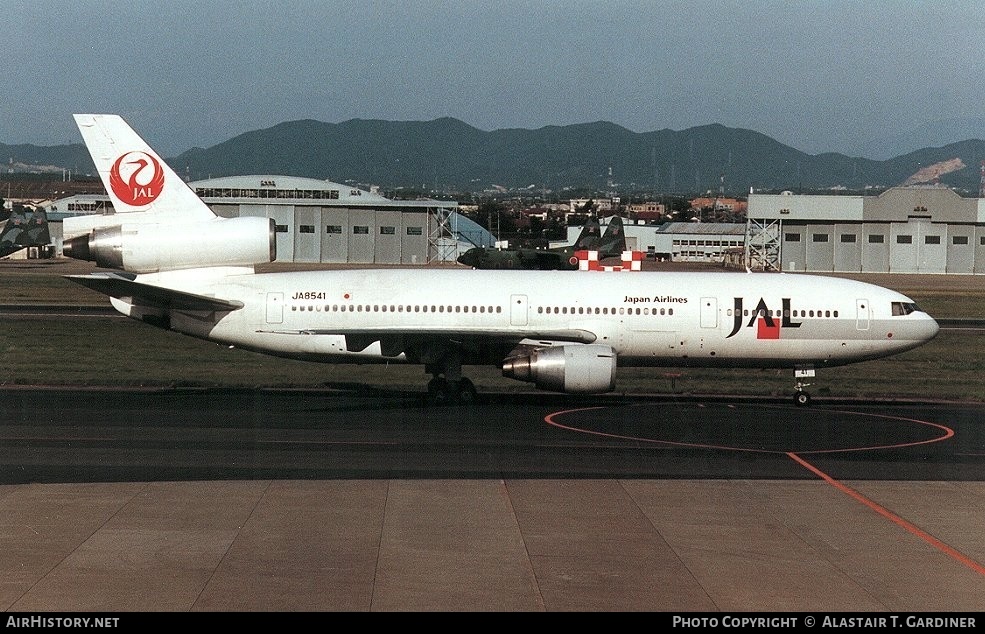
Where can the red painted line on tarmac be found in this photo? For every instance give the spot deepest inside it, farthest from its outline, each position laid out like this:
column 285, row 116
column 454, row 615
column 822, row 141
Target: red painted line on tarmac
column 549, row 419
column 948, row 433
column 896, row 519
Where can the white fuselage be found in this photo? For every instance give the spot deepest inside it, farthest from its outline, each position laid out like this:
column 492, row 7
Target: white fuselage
column 647, row 318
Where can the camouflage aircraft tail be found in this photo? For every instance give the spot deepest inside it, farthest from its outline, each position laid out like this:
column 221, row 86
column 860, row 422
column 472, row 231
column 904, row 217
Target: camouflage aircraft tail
column 24, row 229
column 588, row 239
column 613, row 241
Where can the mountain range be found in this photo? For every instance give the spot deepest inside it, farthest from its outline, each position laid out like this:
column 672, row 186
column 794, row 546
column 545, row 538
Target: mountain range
column 449, row 155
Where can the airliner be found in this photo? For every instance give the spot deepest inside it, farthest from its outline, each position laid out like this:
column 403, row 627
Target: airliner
column 176, row 265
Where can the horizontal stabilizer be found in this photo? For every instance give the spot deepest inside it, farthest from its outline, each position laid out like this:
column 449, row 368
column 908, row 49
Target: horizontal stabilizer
column 125, row 288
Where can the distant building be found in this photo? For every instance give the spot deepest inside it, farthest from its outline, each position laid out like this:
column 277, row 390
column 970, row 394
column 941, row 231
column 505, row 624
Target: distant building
column 601, row 206
column 646, row 212
column 733, row 205
column 707, row 242
column 540, row 213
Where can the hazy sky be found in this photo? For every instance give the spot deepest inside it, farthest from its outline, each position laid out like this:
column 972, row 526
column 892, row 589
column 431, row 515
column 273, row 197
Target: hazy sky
column 819, row 76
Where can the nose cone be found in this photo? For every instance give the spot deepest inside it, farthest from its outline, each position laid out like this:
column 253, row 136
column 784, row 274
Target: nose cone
column 916, row 332
column 931, row 328
column 472, row 257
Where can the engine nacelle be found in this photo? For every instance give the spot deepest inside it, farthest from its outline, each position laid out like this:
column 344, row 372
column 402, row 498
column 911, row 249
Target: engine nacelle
column 581, row 369
column 153, row 247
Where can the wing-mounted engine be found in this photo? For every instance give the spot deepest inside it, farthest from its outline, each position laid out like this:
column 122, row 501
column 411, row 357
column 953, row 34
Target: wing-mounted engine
column 582, row 369
column 151, row 247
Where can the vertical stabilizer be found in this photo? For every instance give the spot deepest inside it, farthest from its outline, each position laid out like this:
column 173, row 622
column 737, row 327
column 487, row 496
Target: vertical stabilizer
column 135, row 177
column 589, row 236
column 613, row 241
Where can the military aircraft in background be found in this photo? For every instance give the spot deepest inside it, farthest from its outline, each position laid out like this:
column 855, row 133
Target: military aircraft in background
column 609, row 244
column 22, row 231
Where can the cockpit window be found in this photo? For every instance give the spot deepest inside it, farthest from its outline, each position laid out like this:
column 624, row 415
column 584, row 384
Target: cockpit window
column 904, row 308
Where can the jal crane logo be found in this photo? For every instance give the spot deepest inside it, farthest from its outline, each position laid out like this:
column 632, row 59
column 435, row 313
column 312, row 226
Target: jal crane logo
column 136, row 178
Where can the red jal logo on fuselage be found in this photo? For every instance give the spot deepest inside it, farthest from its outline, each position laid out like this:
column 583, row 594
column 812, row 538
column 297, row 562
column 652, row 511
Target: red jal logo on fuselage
column 137, row 178
column 767, row 324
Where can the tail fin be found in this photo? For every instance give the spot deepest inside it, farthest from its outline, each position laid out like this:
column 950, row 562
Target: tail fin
column 588, row 239
column 21, row 231
column 613, row 241
column 135, row 177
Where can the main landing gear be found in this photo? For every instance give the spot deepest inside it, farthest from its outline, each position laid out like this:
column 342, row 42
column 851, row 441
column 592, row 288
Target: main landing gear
column 441, row 391
column 447, row 385
column 801, row 397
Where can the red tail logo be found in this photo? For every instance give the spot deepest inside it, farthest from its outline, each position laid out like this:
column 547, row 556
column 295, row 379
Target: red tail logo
column 136, row 178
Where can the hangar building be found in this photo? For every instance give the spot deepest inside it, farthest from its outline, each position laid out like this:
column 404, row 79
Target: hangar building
column 914, row 229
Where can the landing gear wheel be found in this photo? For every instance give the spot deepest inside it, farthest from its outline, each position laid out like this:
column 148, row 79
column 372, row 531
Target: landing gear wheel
column 447, row 385
column 444, row 392
column 800, row 397
column 438, row 393
column 464, row 392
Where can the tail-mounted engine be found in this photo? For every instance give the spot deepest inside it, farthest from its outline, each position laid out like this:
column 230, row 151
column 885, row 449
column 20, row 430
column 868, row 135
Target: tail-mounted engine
column 153, row 247
column 584, row 369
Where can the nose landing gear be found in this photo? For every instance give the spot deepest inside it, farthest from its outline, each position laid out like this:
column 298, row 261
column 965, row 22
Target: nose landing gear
column 801, row 397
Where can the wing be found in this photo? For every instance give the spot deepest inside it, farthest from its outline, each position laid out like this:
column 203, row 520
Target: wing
column 124, row 287
column 394, row 341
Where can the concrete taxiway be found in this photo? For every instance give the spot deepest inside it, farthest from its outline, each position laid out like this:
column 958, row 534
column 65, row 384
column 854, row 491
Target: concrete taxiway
column 225, row 500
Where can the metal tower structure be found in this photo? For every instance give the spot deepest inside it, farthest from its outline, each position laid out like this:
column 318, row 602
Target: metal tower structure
column 763, row 251
column 442, row 237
